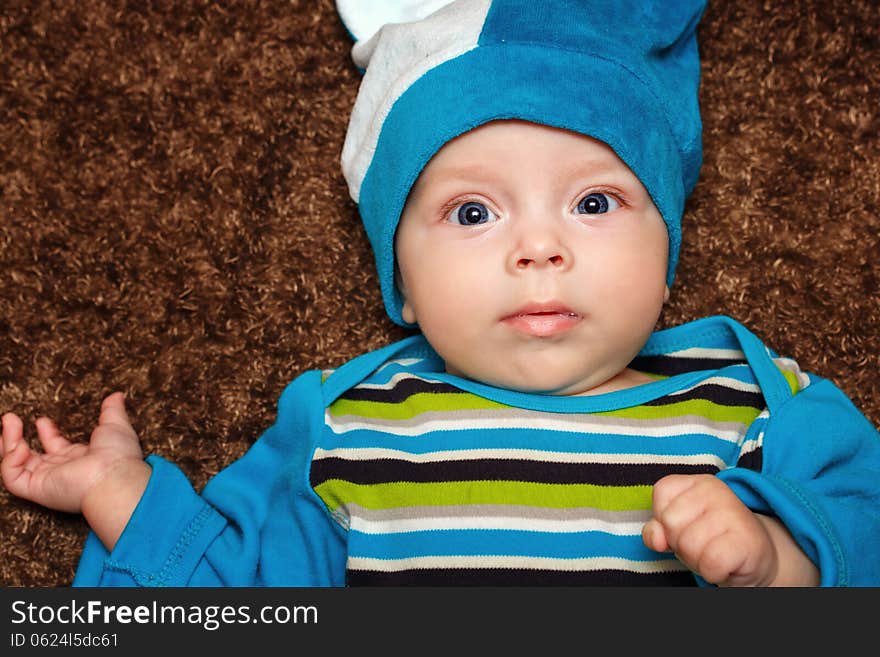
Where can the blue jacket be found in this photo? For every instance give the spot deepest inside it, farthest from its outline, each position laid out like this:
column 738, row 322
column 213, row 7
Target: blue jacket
column 260, row 521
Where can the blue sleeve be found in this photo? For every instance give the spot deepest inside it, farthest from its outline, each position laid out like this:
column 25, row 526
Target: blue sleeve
column 821, row 478
column 257, row 523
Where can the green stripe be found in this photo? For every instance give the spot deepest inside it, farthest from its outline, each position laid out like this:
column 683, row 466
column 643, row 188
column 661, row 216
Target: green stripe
column 455, row 402
column 792, row 379
column 336, row 492
column 702, row 407
column 414, row 405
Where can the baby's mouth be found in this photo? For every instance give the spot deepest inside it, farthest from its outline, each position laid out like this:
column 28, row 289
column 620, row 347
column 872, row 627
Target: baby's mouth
column 543, row 320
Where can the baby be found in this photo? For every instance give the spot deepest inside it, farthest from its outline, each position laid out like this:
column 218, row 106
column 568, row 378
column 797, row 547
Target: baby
column 521, row 170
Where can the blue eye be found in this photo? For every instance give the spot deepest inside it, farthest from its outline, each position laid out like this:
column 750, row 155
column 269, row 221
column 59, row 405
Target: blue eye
column 597, row 203
column 472, row 213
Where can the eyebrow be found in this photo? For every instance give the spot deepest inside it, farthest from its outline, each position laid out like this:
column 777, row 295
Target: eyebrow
column 590, row 168
column 481, row 172
column 464, row 172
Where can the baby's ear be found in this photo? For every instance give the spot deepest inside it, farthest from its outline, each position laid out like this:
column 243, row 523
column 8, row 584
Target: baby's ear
column 407, row 313
column 666, row 294
column 406, row 309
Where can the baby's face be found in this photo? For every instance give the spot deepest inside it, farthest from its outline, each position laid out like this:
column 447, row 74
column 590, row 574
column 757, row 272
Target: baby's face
column 533, row 259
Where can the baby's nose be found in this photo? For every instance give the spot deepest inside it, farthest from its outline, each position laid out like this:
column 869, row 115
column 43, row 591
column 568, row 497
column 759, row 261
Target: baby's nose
column 557, row 260
column 541, row 249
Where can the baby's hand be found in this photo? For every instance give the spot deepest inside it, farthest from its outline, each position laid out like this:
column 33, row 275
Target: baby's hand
column 712, row 532
column 66, row 474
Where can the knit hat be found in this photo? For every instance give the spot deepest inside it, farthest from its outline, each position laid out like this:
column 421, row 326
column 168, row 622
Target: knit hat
column 625, row 72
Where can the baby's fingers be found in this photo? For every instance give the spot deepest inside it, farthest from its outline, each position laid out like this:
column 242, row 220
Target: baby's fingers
column 16, row 455
column 671, row 488
column 12, row 433
column 50, row 436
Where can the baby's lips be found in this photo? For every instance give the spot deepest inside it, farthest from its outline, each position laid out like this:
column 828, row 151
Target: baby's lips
column 543, row 324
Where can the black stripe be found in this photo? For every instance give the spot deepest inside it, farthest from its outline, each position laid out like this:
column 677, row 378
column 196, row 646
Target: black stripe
column 751, row 460
column 670, row 365
column 718, row 394
column 377, row 471
column 403, row 389
column 516, row 577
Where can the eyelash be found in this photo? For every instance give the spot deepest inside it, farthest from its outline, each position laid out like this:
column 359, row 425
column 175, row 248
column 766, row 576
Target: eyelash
column 613, row 193
column 461, row 200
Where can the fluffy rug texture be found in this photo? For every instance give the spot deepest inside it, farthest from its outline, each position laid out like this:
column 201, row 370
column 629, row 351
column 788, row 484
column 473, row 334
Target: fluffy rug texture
column 174, row 223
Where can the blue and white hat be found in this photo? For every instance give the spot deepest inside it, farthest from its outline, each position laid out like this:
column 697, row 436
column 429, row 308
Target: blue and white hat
column 625, row 72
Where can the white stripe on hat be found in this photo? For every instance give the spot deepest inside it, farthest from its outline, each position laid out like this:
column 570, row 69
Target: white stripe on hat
column 394, row 59
column 364, row 18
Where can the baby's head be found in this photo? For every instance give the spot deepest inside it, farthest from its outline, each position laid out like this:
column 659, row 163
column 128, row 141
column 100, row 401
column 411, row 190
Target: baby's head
column 530, row 163
column 532, row 258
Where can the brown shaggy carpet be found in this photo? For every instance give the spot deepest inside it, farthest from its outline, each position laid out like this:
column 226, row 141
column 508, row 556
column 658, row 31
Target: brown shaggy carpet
column 174, row 223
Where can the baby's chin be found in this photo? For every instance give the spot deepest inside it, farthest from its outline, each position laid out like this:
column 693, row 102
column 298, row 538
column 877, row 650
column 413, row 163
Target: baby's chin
column 540, row 381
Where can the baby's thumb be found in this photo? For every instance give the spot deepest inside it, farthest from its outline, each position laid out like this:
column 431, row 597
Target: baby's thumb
column 654, row 536
column 113, row 412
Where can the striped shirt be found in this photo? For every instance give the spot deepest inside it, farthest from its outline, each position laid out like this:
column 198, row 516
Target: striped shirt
column 439, row 483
